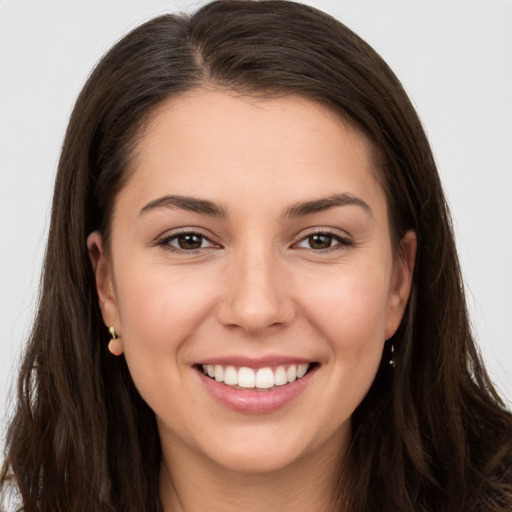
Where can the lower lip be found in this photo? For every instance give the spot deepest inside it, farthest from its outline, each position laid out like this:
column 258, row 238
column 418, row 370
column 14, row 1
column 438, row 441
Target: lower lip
column 256, row 402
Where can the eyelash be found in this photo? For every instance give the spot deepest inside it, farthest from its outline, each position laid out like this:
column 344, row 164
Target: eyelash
column 342, row 242
column 166, row 241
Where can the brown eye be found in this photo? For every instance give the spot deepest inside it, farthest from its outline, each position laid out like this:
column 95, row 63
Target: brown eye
column 320, row 241
column 324, row 241
column 186, row 242
column 189, row 242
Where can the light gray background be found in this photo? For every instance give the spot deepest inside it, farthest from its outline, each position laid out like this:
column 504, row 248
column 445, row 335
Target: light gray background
column 454, row 58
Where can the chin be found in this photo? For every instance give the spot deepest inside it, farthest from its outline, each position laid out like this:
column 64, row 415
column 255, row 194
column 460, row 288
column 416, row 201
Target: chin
column 257, row 462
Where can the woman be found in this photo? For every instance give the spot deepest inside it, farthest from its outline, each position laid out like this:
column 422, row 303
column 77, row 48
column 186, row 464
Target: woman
column 244, row 202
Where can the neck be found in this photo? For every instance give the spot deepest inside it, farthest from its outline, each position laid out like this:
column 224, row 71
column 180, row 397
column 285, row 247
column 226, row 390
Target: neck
column 195, row 484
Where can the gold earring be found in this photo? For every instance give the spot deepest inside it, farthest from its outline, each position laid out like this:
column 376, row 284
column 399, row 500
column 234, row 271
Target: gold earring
column 115, row 345
column 392, row 360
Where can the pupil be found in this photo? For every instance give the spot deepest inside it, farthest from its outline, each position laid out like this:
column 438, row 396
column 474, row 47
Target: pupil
column 189, row 242
column 320, row 241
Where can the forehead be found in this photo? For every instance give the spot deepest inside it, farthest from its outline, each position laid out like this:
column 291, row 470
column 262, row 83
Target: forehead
column 234, row 147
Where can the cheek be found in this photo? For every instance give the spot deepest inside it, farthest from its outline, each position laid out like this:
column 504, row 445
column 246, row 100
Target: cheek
column 160, row 307
column 350, row 314
column 350, row 308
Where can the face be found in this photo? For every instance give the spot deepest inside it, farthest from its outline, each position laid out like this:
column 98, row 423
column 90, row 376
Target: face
column 251, row 277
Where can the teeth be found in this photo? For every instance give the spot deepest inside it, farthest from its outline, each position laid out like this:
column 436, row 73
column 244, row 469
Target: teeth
column 263, row 378
column 246, row 377
column 280, row 377
column 231, row 376
column 219, row 373
column 301, row 370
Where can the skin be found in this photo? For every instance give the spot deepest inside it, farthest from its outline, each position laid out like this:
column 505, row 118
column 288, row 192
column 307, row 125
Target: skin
column 256, row 287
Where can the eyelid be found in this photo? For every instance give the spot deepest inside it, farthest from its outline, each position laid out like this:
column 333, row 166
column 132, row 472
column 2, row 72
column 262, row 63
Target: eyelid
column 164, row 239
column 344, row 239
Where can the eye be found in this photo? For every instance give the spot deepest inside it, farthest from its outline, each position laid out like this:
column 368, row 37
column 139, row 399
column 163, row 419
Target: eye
column 186, row 241
column 322, row 241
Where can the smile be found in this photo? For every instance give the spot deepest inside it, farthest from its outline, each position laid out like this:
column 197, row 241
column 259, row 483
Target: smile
column 262, row 378
column 255, row 387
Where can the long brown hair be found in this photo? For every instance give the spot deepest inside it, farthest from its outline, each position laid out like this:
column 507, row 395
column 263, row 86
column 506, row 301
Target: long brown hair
column 431, row 435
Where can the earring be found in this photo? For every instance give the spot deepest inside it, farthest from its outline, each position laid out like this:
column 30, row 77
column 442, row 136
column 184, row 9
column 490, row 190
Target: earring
column 392, row 360
column 115, row 345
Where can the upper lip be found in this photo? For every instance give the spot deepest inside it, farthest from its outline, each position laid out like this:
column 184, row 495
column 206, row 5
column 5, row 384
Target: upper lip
column 254, row 362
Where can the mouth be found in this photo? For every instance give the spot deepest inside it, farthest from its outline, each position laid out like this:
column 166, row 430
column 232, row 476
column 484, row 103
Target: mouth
column 256, row 379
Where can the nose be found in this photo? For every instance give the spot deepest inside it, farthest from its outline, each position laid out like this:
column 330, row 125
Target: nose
column 256, row 293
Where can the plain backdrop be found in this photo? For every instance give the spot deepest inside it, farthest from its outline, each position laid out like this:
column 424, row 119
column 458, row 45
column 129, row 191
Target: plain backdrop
column 454, row 59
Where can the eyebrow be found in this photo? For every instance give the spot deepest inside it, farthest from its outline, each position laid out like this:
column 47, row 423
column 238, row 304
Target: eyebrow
column 325, row 203
column 213, row 209
column 192, row 204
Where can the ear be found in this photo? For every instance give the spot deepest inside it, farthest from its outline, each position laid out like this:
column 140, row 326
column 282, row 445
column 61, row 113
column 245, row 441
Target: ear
column 104, row 281
column 403, row 268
